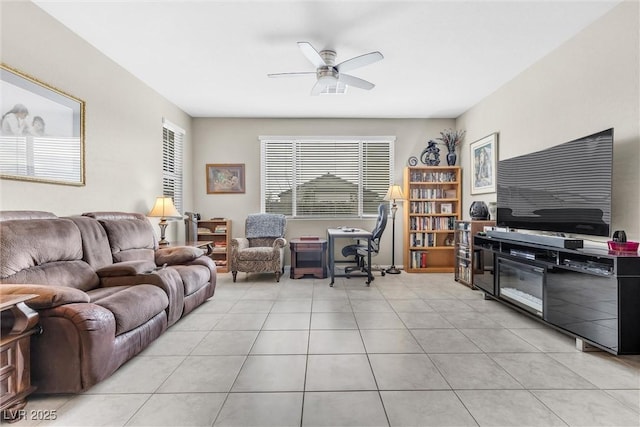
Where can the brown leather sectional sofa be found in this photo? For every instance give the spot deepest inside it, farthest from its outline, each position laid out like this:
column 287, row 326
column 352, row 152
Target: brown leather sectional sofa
column 105, row 290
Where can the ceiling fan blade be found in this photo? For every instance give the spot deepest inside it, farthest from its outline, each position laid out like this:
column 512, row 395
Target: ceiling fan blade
column 312, row 54
column 359, row 61
column 355, row 82
column 302, row 73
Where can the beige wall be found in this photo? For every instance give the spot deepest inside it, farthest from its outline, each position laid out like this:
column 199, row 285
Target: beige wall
column 123, row 128
column 234, row 140
column 588, row 84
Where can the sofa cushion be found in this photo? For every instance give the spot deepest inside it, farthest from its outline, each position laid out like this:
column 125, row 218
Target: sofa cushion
column 10, row 215
column 127, row 268
column 130, row 235
column 26, row 244
column 193, row 277
column 74, row 274
column 95, row 244
column 134, row 305
column 97, row 294
column 257, row 254
column 44, row 251
column 177, row 255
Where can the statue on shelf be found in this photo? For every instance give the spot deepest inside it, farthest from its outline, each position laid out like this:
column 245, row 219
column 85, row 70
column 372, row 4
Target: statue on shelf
column 431, row 155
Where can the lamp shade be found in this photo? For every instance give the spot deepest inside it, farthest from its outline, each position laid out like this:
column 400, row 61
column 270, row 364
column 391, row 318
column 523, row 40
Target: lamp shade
column 164, row 208
column 394, row 193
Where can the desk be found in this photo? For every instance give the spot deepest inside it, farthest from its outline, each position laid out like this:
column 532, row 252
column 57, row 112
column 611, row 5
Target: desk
column 337, row 233
column 308, row 257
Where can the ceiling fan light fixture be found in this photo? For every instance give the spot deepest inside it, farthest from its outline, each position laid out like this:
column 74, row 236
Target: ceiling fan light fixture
column 337, row 88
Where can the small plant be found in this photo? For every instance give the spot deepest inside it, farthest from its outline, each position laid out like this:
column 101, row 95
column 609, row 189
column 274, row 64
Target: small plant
column 452, row 138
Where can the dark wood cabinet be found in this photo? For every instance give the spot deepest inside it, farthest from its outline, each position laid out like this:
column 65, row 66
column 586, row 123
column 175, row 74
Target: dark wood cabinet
column 18, row 324
column 308, row 257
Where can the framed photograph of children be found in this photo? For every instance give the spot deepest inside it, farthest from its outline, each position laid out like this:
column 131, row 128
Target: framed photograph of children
column 42, row 131
column 484, row 153
column 446, row 208
column 225, row 178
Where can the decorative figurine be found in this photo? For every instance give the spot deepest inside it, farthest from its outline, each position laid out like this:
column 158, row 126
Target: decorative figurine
column 431, row 155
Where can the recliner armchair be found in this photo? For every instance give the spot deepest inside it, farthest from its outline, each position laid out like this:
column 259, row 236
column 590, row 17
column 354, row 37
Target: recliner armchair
column 262, row 250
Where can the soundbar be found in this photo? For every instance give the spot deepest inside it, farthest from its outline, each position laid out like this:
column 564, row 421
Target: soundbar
column 556, row 242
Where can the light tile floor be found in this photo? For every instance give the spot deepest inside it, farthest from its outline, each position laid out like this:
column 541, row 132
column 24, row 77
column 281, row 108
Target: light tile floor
column 411, row 350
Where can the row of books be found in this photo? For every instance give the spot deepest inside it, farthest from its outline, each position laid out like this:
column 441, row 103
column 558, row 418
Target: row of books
column 418, row 259
column 220, row 228
column 423, row 207
column 432, row 193
column 432, row 223
column 424, row 176
column 423, row 239
column 464, row 272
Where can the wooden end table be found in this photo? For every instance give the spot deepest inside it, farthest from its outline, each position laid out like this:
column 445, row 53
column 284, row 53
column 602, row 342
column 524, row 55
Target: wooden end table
column 308, row 256
column 15, row 367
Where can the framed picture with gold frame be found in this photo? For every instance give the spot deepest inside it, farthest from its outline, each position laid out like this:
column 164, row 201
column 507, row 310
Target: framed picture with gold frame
column 42, row 131
column 225, row 178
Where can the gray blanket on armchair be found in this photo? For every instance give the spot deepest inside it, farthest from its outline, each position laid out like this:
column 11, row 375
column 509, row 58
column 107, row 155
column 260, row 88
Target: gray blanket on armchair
column 265, row 225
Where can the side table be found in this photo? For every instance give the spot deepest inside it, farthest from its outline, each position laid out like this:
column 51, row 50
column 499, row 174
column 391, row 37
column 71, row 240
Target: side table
column 15, row 362
column 308, row 256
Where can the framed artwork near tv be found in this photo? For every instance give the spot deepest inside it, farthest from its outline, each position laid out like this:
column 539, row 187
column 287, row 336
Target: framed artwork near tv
column 484, row 153
column 42, row 131
column 225, row 178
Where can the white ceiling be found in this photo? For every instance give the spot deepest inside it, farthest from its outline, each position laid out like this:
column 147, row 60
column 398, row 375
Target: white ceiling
column 211, row 58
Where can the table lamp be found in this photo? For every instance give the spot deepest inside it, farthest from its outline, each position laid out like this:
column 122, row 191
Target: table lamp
column 163, row 209
column 394, row 193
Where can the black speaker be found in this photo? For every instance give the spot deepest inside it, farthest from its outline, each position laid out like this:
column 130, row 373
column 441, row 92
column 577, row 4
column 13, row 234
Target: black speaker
column 619, row 236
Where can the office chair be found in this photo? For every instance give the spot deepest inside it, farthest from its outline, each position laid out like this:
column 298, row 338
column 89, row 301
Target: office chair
column 359, row 250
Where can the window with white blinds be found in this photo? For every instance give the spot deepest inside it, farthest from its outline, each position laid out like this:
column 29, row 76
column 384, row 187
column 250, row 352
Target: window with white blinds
column 325, row 177
column 172, row 141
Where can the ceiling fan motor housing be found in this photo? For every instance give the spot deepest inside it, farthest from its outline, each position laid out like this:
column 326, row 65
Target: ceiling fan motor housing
column 329, row 57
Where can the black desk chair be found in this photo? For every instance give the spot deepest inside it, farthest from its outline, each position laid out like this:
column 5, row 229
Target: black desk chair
column 359, row 250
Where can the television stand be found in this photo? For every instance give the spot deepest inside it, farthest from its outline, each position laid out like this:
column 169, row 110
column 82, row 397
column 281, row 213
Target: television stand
column 591, row 294
column 554, row 241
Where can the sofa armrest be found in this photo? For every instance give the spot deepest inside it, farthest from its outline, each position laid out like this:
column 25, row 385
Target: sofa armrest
column 280, row 242
column 126, row 268
column 47, row 296
column 76, row 348
column 239, row 243
column 177, row 255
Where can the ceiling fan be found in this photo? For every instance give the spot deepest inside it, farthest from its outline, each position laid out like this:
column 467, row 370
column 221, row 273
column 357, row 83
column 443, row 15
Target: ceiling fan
column 331, row 77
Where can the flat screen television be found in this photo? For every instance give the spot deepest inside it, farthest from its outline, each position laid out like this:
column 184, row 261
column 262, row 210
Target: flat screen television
column 565, row 188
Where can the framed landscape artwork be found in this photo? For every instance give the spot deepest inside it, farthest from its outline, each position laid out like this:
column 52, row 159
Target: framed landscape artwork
column 225, row 178
column 484, row 153
column 42, row 129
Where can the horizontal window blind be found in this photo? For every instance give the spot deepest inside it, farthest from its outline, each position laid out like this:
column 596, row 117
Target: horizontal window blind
column 172, row 145
column 325, row 177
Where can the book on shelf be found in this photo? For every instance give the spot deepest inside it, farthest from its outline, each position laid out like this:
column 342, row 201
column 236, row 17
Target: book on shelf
column 418, row 259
